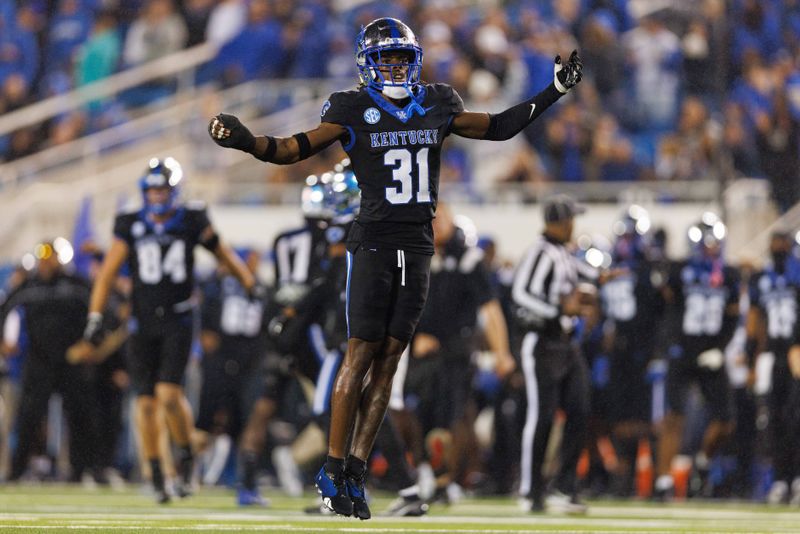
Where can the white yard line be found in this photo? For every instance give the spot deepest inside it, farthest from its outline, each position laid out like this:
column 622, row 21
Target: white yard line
column 426, row 524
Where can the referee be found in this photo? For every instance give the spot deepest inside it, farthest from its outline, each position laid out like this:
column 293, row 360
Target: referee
column 546, row 297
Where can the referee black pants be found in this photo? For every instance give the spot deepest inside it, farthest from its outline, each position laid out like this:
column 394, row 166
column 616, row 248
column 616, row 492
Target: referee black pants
column 556, row 376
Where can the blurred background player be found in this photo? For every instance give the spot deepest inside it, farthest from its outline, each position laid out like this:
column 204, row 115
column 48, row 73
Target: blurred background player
column 547, row 299
column 234, row 346
column 703, row 294
column 461, row 310
column 771, row 326
column 633, row 304
column 308, row 330
column 158, row 241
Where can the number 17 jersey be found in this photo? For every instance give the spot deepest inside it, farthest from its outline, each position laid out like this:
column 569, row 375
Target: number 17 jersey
column 396, row 154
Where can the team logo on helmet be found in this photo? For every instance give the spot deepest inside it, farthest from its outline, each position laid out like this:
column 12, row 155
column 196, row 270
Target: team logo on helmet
column 372, row 115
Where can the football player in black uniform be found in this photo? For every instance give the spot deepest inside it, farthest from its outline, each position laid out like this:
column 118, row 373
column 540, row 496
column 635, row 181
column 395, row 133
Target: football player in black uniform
column 392, row 127
column 772, row 318
column 233, row 351
column 704, row 292
column 633, row 303
column 158, row 243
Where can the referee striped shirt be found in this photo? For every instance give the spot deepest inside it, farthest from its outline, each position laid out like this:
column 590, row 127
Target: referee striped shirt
column 547, row 273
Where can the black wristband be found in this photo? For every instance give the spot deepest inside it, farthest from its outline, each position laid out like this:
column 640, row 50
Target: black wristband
column 305, row 145
column 510, row 122
column 269, row 152
column 211, row 243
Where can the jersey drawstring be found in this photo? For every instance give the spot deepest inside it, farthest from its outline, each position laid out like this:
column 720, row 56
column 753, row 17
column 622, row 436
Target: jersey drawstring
column 401, row 262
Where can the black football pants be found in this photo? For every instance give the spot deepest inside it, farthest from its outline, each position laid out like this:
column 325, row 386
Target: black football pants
column 41, row 378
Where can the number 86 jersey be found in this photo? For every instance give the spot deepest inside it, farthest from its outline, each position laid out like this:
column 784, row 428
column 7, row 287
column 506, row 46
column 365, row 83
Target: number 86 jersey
column 395, row 152
column 161, row 260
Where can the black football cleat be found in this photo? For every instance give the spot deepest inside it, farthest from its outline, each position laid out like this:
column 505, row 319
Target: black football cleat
column 333, row 490
column 358, row 495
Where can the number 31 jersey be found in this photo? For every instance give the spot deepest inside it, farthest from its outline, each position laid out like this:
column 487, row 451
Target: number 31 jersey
column 161, row 260
column 395, row 153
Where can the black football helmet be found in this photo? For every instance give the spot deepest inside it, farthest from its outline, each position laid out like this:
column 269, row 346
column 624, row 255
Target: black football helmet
column 374, row 41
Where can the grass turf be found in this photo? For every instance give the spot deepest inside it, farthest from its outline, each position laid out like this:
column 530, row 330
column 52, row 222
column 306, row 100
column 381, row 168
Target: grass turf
column 50, row 508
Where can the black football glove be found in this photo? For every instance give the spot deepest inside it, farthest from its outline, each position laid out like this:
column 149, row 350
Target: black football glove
column 93, row 333
column 227, row 131
column 569, row 75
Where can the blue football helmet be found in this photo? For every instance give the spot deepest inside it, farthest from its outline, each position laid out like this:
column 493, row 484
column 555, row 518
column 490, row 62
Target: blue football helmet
column 707, row 237
column 344, row 197
column 314, row 198
column 162, row 173
column 632, row 233
column 594, row 249
column 374, row 41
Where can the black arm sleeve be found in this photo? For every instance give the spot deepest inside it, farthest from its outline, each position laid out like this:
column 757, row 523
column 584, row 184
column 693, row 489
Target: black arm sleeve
column 510, row 122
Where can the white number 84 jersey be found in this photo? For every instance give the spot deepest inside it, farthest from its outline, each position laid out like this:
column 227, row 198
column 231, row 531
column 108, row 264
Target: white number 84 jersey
column 161, row 259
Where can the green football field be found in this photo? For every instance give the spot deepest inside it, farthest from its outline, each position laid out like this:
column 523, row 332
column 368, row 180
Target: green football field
column 56, row 508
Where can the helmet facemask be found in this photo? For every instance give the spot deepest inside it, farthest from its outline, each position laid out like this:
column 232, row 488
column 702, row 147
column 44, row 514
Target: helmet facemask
column 389, row 59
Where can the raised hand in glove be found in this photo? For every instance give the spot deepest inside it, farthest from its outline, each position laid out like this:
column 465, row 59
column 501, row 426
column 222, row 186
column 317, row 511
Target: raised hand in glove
column 227, row 131
column 93, row 333
column 567, row 76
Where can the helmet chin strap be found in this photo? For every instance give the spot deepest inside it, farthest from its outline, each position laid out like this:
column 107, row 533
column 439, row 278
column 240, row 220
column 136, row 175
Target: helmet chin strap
column 399, row 92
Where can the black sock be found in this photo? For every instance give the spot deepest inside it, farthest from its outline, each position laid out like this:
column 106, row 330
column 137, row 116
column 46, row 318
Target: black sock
column 249, row 465
column 186, row 461
column 334, row 466
column 355, row 467
column 157, row 475
column 185, row 452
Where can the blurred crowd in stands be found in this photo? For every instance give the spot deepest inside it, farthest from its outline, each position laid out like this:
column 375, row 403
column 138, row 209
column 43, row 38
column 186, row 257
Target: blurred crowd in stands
column 701, row 90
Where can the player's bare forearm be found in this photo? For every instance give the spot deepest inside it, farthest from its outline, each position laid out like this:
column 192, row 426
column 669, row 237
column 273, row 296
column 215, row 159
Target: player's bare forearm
column 496, row 330
column 115, row 256
column 231, row 261
column 227, row 131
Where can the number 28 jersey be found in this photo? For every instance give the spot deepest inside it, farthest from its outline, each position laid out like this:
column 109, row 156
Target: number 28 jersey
column 395, row 153
column 703, row 296
column 161, row 260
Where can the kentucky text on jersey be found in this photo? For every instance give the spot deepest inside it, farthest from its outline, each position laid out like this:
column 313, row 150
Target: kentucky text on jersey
column 404, row 137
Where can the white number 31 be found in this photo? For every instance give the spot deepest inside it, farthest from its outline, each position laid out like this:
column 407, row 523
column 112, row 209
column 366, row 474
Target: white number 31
column 403, row 193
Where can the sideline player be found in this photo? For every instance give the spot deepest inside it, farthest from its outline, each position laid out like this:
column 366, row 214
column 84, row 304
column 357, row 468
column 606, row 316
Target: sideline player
column 704, row 292
column 392, row 127
column 158, row 242
column 771, row 325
